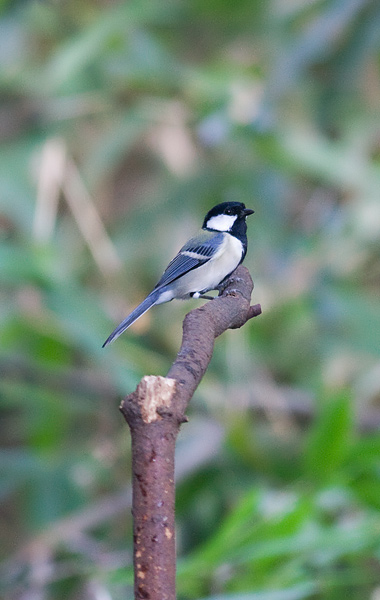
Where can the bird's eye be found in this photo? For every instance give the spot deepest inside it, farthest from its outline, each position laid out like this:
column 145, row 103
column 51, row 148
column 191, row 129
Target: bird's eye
column 228, row 211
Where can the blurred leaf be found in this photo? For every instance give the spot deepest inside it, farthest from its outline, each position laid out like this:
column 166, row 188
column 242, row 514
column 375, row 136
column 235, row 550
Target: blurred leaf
column 99, row 38
column 330, row 437
column 365, row 452
column 357, row 318
column 304, row 590
column 16, row 468
column 115, row 145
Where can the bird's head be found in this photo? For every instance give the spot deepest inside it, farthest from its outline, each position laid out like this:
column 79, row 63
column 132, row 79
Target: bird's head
column 224, row 216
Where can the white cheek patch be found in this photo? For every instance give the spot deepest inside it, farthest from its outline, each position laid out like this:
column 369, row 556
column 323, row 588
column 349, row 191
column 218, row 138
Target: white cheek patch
column 221, row 222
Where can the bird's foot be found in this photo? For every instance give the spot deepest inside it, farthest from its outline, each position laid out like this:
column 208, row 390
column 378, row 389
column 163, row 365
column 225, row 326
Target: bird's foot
column 222, row 286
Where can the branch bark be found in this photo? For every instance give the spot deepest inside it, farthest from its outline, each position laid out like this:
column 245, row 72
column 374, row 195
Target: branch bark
column 154, row 413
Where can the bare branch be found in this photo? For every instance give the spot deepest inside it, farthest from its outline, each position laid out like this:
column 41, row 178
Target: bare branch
column 154, row 413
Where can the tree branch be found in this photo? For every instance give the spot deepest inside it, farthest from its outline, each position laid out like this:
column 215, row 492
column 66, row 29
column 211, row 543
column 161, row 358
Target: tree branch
column 154, row 413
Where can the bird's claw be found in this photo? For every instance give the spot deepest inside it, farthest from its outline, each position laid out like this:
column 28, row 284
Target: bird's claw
column 222, row 286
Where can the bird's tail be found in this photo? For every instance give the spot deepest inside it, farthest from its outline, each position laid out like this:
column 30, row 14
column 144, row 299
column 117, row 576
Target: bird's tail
column 133, row 316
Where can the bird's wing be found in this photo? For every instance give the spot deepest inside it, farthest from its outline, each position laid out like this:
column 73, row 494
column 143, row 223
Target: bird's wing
column 194, row 253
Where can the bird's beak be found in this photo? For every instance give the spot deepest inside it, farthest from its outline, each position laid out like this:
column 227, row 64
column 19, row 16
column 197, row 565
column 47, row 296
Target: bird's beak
column 248, row 211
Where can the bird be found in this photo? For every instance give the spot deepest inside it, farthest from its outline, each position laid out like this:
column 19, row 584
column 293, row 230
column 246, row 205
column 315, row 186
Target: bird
column 202, row 264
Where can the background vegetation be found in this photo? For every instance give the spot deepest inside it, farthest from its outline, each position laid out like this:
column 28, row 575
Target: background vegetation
column 121, row 124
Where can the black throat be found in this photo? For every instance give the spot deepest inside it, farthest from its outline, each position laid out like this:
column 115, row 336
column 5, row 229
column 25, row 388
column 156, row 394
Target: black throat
column 239, row 230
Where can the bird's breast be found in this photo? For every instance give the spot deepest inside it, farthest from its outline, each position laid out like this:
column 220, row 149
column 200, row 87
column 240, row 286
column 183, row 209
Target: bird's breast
column 209, row 275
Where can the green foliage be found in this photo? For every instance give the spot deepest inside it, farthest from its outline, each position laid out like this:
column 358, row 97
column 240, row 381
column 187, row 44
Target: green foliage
column 330, row 440
column 162, row 110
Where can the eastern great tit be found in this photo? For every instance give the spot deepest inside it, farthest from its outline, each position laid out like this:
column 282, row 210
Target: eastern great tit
column 202, row 264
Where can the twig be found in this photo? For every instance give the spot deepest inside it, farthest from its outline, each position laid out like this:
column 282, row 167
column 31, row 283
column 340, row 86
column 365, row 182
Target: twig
column 154, row 413
column 50, row 177
column 58, row 172
column 88, row 220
